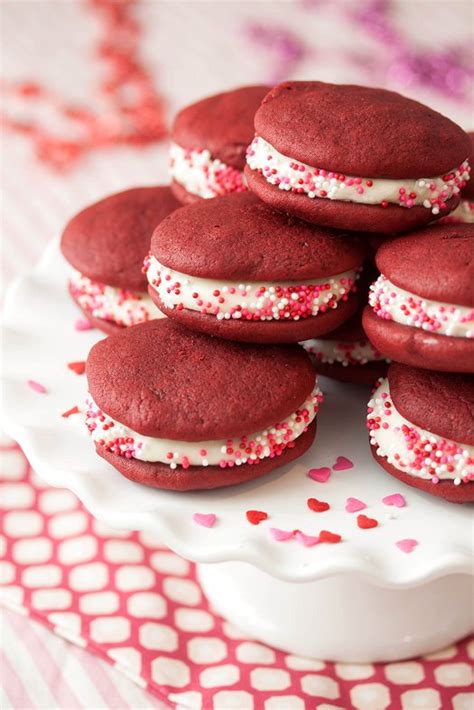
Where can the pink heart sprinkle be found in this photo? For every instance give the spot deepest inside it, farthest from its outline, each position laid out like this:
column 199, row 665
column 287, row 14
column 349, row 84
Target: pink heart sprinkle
column 320, row 474
column 207, row 520
column 280, row 535
column 342, row 464
column 353, row 505
column 406, row 545
column 306, row 540
column 395, row 499
column 36, row 386
column 83, row 324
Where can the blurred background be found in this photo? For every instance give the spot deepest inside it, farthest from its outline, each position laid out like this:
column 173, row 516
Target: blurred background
column 89, row 86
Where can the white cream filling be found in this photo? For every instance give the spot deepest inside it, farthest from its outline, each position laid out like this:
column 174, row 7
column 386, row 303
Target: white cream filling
column 393, row 303
column 202, row 175
column 414, row 450
column 262, row 301
column 118, row 438
column 110, row 303
column 464, row 213
column 290, row 174
column 342, row 352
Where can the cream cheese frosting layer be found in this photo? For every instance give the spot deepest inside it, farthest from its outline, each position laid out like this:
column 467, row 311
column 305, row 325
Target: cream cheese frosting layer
column 289, row 174
column 112, row 304
column 342, row 352
column 202, row 175
column 464, row 213
column 254, row 301
column 414, row 450
column 121, row 440
column 396, row 304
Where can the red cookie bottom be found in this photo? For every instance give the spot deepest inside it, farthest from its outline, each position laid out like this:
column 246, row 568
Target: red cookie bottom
column 195, row 478
column 181, row 194
column 367, row 374
column 464, row 493
column 417, row 347
column 261, row 331
column 344, row 215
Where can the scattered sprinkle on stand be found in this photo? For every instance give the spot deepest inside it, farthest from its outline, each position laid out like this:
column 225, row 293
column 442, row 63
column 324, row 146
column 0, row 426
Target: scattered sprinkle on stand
column 206, row 520
column 365, row 523
column 395, row 499
column 407, row 545
column 342, row 464
column 255, row 517
column 36, row 386
column 353, row 505
column 320, row 475
column 73, row 410
column 83, row 324
column 78, row 367
column 317, row 506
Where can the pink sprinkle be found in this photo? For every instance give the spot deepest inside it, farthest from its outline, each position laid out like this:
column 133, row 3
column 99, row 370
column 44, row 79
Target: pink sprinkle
column 83, row 324
column 353, row 505
column 342, row 464
column 306, row 540
column 321, row 475
column 280, row 535
column 207, row 520
column 407, row 545
column 395, row 499
column 36, row 386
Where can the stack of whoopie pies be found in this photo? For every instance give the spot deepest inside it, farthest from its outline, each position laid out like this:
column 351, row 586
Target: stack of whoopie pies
column 308, row 180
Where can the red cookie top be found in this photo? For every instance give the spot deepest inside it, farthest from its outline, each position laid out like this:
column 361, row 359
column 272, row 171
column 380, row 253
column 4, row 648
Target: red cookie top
column 468, row 190
column 440, row 402
column 436, row 263
column 222, row 124
column 238, row 237
column 108, row 240
column 360, row 131
column 165, row 381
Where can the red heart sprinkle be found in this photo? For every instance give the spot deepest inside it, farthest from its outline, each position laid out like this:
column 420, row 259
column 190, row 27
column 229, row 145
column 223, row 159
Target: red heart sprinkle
column 326, row 536
column 256, row 516
column 73, row 410
column 319, row 506
column 365, row 523
column 78, row 367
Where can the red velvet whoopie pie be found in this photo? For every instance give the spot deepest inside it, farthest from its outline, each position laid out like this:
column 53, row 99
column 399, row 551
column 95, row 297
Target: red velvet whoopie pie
column 354, row 157
column 179, row 410
column 421, row 430
column 235, row 268
column 106, row 244
column 209, row 142
column 421, row 308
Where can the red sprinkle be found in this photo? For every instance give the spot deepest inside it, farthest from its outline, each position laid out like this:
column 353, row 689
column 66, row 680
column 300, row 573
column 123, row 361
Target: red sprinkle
column 326, row 536
column 318, row 506
column 83, row 324
column 73, row 410
column 78, row 367
column 366, row 523
column 256, row 516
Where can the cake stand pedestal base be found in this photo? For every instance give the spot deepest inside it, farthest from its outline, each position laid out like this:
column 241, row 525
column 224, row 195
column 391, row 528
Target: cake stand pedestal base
column 341, row 618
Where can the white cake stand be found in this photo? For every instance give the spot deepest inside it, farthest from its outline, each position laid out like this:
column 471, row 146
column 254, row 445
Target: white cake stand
column 361, row 600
